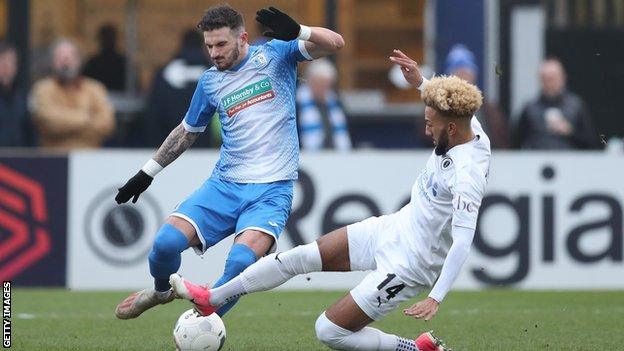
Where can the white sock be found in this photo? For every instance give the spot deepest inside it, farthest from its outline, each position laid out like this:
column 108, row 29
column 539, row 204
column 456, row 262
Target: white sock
column 366, row 338
column 383, row 340
column 269, row 272
column 226, row 292
column 404, row 344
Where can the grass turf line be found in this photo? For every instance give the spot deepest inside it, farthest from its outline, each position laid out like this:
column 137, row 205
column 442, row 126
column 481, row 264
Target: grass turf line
column 53, row 319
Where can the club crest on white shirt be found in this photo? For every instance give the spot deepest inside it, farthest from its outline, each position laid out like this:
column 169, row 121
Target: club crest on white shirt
column 446, row 163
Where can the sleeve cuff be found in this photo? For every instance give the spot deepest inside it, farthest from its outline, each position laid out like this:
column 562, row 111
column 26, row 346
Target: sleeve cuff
column 463, row 224
column 190, row 128
column 152, row 168
column 422, row 84
column 437, row 298
column 304, row 51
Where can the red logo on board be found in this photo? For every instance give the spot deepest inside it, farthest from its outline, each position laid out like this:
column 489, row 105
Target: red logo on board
column 24, row 238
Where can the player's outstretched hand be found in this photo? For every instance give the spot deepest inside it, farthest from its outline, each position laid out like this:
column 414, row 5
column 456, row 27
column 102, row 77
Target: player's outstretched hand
column 424, row 309
column 133, row 187
column 409, row 67
column 282, row 26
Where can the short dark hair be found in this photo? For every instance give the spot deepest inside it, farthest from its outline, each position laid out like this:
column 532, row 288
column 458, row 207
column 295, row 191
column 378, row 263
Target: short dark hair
column 220, row 16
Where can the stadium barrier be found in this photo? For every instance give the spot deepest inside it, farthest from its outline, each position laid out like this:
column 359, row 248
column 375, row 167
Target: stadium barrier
column 548, row 221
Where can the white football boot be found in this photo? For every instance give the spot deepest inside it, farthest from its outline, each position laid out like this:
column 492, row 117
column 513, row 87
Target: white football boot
column 141, row 301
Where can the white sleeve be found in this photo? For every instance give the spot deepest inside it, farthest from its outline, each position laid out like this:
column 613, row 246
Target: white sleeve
column 457, row 255
column 467, row 196
column 304, row 51
column 422, row 84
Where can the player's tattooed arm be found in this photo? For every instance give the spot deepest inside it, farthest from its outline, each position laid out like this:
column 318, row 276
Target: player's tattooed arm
column 176, row 143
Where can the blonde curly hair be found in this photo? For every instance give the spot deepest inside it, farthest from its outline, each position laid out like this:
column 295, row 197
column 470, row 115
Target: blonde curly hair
column 452, row 96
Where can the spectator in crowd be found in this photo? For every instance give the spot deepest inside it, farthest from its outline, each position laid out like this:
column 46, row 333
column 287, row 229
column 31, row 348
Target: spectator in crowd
column 14, row 126
column 172, row 90
column 71, row 111
column 557, row 119
column 322, row 123
column 108, row 66
column 460, row 62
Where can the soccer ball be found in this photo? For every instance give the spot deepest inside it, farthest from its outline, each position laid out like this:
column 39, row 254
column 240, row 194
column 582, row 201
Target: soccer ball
column 196, row 332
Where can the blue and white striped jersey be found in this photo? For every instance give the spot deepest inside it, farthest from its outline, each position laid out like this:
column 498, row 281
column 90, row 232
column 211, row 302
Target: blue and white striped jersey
column 255, row 102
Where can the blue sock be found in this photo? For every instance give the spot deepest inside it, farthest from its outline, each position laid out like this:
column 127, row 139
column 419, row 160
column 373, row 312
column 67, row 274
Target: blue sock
column 165, row 258
column 240, row 257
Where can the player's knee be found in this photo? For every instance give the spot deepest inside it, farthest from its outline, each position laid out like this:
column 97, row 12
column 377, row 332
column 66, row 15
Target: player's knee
column 169, row 241
column 301, row 259
column 328, row 333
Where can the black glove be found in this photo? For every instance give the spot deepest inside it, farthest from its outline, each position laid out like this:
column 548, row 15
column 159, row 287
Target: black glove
column 133, row 187
column 282, row 26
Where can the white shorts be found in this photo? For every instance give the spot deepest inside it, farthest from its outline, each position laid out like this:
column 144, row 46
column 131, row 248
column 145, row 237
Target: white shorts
column 374, row 244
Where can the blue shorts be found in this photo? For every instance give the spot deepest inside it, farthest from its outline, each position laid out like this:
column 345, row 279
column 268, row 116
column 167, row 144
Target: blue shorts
column 220, row 208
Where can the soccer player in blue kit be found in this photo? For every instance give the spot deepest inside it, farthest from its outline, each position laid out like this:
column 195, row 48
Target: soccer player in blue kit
column 249, row 194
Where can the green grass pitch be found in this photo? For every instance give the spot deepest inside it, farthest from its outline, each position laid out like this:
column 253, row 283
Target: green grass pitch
column 46, row 319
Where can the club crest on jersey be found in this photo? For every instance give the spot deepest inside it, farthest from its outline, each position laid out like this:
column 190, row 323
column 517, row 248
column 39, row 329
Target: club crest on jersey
column 446, row 163
column 260, row 60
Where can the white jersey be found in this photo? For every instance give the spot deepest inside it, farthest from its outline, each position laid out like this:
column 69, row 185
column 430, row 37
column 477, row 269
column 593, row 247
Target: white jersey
column 447, row 192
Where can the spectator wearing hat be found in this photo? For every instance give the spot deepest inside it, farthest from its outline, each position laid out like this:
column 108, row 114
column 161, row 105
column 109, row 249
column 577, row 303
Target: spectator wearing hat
column 460, row 62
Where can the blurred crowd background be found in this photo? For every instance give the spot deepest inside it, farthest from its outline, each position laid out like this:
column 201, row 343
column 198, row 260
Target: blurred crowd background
column 120, row 73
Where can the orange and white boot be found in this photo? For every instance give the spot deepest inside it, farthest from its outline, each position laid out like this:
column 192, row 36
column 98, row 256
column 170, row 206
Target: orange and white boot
column 197, row 294
column 429, row 342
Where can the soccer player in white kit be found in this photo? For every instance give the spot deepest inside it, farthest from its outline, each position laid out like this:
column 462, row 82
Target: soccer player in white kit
column 422, row 245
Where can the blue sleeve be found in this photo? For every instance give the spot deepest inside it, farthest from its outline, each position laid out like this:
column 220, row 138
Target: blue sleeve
column 293, row 50
column 200, row 111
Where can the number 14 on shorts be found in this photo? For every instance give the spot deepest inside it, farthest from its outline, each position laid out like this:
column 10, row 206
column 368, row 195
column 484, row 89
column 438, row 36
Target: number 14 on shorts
column 387, row 293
